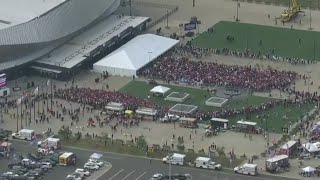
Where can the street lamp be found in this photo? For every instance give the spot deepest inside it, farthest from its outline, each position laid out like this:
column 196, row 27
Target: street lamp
column 238, row 5
column 310, row 28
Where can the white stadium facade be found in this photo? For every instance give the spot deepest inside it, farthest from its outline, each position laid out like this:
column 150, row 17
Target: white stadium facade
column 30, row 30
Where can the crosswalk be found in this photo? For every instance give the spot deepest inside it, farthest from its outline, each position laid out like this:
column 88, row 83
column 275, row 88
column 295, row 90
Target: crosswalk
column 123, row 174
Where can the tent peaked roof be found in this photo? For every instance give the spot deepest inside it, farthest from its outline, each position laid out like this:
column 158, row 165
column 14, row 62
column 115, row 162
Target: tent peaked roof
column 119, row 60
column 138, row 52
column 309, row 169
column 160, row 89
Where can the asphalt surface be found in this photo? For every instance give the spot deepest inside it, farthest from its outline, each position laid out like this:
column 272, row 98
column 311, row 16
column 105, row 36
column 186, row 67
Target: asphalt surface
column 125, row 167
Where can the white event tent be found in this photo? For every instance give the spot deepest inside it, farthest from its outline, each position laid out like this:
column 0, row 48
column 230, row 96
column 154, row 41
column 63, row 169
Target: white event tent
column 135, row 54
column 160, row 89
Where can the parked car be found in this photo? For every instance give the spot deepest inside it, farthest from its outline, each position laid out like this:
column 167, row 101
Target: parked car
column 91, row 166
column 82, row 171
column 19, row 168
column 305, row 156
column 26, row 161
column 10, row 165
column 99, row 163
column 34, row 157
column 73, row 177
column 157, row 177
column 46, row 165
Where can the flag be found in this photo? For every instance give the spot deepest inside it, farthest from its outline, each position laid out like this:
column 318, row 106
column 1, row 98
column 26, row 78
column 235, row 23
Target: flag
column 48, row 82
column 36, row 91
column 3, row 80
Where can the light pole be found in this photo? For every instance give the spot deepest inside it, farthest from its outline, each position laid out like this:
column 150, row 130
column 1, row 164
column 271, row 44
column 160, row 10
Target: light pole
column 169, row 166
column 167, row 19
column 238, row 5
column 130, row 4
column 310, row 27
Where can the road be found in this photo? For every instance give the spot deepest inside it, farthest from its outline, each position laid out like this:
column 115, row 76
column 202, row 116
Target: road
column 126, row 167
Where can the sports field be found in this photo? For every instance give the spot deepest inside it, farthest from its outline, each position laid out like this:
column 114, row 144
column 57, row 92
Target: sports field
column 285, row 42
column 199, row 96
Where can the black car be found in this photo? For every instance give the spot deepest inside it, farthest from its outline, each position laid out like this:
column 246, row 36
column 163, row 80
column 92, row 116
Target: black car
column 10, row 165
column 34, row 157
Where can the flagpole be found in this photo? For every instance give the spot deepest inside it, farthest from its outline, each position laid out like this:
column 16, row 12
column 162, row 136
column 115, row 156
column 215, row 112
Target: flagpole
column 21, row 114
column 47, row 96
column 30, row 104
column 17, row 117
column 51, row 95
column 34, row 109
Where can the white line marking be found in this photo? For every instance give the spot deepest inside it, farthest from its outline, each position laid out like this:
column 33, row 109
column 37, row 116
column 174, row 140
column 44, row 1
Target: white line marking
column 116, row 174
column 141, row 175
column 128, row 175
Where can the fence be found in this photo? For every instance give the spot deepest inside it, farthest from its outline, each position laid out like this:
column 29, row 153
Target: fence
column 171, row 10
column 306, row 4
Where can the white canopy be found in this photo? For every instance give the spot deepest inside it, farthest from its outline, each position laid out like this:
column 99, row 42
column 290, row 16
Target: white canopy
column 312, row 147
column 160, row 89
column 135, row 54
column 96, row 156
column 308, row 169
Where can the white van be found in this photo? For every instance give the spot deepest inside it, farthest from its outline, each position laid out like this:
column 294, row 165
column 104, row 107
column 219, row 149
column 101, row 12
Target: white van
column 206, row 163
column 175, row 159
column 25, row 134
column 247, row 169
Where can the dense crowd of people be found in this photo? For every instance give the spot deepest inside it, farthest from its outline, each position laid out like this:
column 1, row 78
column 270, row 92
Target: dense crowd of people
column 209, row 73
column 100, row 98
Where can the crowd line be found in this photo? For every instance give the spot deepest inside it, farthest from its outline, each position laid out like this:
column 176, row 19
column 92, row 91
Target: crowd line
column 204, row 73
column 197, row 52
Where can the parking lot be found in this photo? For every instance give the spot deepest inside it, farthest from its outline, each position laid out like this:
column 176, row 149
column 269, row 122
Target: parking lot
column 57, row 172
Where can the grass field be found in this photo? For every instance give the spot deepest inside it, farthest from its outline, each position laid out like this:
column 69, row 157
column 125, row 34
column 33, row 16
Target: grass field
column 285, row 42
column 197, row 96
column 276, row 115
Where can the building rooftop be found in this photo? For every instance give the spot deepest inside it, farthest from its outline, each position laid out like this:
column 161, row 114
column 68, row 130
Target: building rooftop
column 14, row 12
column 76, row 50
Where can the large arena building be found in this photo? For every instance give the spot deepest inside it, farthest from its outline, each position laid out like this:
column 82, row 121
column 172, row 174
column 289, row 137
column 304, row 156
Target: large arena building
column 30, row 29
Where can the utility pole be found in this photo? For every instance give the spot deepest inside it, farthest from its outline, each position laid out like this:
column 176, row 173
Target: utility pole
column 310, row 27
column 193, row 3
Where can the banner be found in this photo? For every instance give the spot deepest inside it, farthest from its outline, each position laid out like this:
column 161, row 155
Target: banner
column 190, row 26
column 3, row 80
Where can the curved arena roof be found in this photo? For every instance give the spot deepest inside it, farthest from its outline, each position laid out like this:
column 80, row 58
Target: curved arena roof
column 63, row 18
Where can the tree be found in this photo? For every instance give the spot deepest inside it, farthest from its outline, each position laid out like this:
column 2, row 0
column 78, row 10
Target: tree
column 65, row 132
column 180, row 147
column 141, row 142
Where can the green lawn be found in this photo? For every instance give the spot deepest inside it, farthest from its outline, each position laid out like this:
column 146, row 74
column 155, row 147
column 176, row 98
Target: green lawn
column 284, row 41
column 278, row 116
column 275, row 115
column 197, row 96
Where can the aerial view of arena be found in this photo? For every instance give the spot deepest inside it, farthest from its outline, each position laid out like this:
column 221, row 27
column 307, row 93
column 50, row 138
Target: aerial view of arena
column 182, row 89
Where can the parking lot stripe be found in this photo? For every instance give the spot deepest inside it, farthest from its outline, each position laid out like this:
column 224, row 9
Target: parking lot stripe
column 141, row 175
column 128, row 175
column 116, row 174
